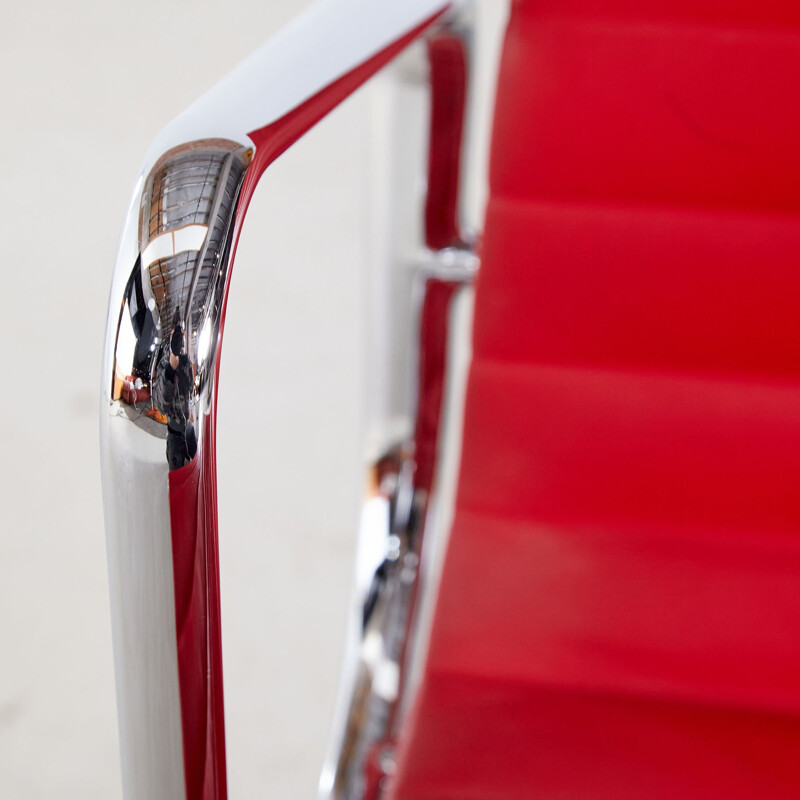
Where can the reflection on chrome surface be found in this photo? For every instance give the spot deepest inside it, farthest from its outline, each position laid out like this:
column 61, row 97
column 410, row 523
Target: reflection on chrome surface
column 395, row 523
column 158, row 391
column 401, row 485
column 158, row 388
column 165, row 341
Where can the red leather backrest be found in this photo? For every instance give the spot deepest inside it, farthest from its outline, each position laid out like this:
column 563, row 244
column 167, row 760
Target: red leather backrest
column 619, row 608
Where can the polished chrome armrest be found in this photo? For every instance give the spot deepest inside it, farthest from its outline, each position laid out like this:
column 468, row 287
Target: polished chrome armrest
column 160, row 371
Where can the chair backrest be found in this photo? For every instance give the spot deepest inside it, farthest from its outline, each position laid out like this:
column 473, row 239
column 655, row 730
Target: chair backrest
column 618, row 612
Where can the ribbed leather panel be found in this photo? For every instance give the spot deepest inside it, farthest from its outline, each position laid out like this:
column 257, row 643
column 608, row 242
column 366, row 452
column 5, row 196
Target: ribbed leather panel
column 620, row 605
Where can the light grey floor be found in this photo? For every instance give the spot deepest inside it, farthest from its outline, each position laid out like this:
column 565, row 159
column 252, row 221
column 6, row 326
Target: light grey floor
column 84, row 88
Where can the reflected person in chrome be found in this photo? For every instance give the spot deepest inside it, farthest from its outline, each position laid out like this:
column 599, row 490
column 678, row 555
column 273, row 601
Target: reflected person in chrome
column 174, row 385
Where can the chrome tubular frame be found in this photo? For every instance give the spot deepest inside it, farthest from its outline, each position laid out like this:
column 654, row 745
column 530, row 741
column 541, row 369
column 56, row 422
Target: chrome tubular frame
column 158, row 393
column 379, row 681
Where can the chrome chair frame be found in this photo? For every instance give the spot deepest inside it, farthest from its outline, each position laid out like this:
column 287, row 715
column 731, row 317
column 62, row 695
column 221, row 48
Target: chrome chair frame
column 170, row 283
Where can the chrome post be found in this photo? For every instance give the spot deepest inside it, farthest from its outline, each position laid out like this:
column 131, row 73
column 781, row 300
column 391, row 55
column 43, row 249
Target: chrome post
column 383, row 643
column 160, row 368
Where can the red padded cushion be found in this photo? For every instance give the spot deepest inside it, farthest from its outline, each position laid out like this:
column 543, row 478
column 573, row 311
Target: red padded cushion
column 620, row 605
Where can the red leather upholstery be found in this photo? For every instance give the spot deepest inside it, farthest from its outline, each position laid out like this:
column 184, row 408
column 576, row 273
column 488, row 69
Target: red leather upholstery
column 619, row 614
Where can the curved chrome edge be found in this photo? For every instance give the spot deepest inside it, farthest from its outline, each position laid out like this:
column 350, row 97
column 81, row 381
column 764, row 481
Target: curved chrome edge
column 319, row 46
column 403, row 520
column 403, row 529
column 157, row 403
column 158, row 385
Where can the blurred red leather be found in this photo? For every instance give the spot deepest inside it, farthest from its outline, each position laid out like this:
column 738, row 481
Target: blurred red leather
column 620, row 605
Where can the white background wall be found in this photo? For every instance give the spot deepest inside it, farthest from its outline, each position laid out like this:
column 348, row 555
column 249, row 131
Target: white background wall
column 84, row 87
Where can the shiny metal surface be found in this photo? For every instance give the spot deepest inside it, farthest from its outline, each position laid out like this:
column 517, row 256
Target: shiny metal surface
column 184, row 214
column 393, row 520
column 158, row 389
column 178, row 234
column 399, row 527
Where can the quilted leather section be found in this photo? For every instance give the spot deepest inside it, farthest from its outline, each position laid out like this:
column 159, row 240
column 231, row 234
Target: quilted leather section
column 620, row 605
